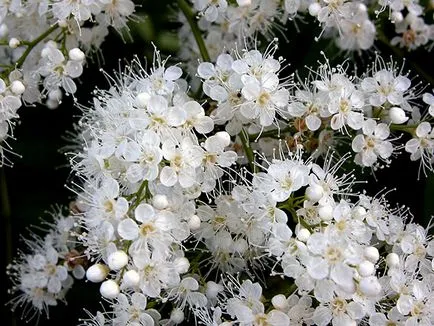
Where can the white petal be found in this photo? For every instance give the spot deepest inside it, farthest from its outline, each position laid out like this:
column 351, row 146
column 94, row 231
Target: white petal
column 173, row 73
column 128, row 229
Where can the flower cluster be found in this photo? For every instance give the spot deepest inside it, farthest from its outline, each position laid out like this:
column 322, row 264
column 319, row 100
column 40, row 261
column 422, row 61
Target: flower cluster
column 372, row 110
column 190, row 203
column 350, row 23
column 42, row 276
column 42, row 49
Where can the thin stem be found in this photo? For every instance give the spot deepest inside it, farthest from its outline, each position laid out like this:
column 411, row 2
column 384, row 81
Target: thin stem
column 30, row 47
column 138, row 195
column 406, row 128
column 189, row 15
column 269, row 133
column 247, row 149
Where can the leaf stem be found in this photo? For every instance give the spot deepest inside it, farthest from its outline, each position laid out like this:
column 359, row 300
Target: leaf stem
column 247, row 149
column 189, row 15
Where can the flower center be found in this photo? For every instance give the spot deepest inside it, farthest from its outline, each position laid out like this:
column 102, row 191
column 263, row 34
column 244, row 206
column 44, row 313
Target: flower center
column 263, row 99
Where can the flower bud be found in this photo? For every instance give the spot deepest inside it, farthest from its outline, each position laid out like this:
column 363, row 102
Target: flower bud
column 109, row 289
column 97, row 273
column 243, row 3
column 314, row 193
column 279, row 302
column 314, row 8
column 359, row 212
column 14, row 43
column 303, row 235
column 325, row 212
column 397, row 115
column 17, row 87
column 131, row 279
column 362, row 7
column 366, row 268
column 4, row 30
column 76, row 54
column 177, row 316
column 160, row 202
column 213, row 289
column 117, row 260
column 370, row 286
column 396, row 17
column 392, row 260
column 371, row 254
column 55, row 95
column 194, row 222
column 142, row 99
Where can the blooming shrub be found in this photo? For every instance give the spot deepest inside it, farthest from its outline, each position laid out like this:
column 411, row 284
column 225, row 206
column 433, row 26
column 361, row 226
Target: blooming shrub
column 223, row 189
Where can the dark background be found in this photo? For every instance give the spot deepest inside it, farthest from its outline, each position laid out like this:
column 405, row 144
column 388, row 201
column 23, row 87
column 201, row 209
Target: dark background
column 36, row 182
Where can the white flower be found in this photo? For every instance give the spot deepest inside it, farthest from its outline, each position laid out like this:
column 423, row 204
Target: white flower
column 422, row 145
column 429, row 99
column 282, row 179
column 131, row 310
column 183, row 158
column 372, row 143
column 385, row 86
column 263, row 99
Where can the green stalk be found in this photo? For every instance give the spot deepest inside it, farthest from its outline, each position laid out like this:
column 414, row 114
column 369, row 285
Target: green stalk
column 189, row 15
column 247, row 149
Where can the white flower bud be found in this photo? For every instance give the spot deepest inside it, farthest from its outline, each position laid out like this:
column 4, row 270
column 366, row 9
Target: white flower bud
column 314, row 8
column 142, row 99
column 109, row 289
column 314, row 193
column 243, row 3
column 397, row 115
column 392, row 260
column 359, row 212
column 17, row 87
column 55, row 95
column 181, row 265
column 194, row 222
column 97, row 273
column 325, row 212
column 279, row 302
column 14, row 43
column 362, row 7
column 45, row 52
column 303, row 235
column 117, row 260
column 371, row 254
column 52, row 104
column 4, row 30
column 213, row 289
column 177, row 316
column 396, row 17
column 160, row 202
column 366, row 268
column 131, row 279
column 370, row 286
column 76, row 54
